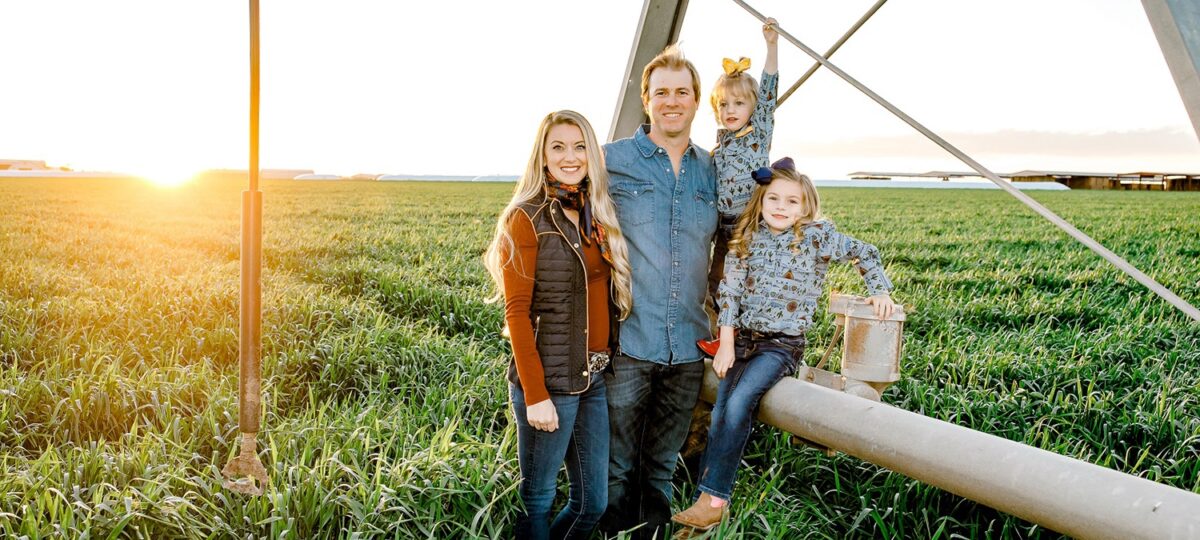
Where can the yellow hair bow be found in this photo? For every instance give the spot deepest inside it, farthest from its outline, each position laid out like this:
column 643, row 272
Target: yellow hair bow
column 733, row 68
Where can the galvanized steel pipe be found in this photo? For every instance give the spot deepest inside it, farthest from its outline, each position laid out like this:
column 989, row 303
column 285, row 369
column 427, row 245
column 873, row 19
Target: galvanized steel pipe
column 1057, row 492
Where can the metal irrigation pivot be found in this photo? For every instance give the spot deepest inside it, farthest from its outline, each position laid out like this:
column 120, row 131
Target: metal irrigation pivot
column 1075, row 233
column 245, row 473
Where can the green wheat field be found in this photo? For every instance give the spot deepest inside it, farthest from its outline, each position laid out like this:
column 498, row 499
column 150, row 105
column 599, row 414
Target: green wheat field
column 385, row 404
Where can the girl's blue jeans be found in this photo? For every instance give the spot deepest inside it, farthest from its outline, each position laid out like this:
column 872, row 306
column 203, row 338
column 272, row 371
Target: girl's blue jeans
column 581, row 441
column 755, row 370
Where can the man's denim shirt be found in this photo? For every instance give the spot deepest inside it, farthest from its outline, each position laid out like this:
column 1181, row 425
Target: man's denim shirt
column 668, row 224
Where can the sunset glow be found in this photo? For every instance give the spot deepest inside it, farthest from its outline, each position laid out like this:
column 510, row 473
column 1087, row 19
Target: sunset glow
column 167, row 176
column 357, row 100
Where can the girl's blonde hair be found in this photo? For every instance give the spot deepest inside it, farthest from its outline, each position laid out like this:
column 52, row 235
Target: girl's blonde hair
column 739, row 84
column 748, row 223
column 532, row 185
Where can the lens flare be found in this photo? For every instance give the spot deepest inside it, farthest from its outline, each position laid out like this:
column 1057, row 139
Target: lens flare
column 167, row 176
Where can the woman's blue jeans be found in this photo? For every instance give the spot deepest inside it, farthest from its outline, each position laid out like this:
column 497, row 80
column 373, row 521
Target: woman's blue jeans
column 581, row 441
column 738, row 395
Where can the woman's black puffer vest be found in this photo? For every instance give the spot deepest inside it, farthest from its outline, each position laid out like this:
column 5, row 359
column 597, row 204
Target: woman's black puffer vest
column 559, row 311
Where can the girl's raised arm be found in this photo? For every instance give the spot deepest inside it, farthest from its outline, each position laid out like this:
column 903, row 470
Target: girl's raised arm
column 772, row 38
column 764, row 108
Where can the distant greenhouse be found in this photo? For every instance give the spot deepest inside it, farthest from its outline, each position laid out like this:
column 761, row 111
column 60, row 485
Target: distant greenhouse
column 282, row 174
column 22, row 165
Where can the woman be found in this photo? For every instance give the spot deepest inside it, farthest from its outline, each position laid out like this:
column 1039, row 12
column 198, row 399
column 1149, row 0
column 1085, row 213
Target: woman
column 561, row 265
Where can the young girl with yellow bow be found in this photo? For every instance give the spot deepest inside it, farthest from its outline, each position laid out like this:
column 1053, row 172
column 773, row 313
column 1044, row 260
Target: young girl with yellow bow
column 745, row 112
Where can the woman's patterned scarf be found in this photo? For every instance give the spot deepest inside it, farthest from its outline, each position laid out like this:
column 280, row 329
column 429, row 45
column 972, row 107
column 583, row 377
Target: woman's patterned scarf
column 575, row 197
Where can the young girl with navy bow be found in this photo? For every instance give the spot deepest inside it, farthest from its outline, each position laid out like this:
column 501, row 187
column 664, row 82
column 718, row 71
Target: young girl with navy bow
column 774, row 274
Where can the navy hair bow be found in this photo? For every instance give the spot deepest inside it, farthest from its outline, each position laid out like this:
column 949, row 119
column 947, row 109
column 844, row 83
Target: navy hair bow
column 764, row 175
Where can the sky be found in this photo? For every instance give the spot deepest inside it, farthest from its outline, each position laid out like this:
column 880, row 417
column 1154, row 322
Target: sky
column 458, row 87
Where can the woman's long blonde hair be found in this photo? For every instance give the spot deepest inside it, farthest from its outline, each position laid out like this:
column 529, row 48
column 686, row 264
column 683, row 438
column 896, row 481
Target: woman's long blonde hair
column 532, row 185
column 748, row 223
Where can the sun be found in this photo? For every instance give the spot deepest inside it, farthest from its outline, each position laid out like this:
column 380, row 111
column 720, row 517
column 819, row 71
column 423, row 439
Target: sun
column 166, row 175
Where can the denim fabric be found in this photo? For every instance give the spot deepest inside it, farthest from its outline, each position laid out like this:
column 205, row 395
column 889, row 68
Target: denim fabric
column 650, row 408
column 716, row 270
column 758, row 366
column 581, row 440
column 668, row 223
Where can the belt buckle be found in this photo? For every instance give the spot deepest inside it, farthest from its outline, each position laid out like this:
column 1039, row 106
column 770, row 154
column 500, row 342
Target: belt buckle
column 597, row 361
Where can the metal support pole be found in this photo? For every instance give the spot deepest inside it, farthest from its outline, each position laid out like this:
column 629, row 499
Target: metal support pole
column 1075, row 233
column 658, row 27
column 817, row 65
column 1067, row 495
column 245, row 473
column 1176, row 25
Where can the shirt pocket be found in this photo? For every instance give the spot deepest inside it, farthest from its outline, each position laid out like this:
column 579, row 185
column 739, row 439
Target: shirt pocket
column 635, row 203
column 800, row 267
column 799, row 279
column 704, row 209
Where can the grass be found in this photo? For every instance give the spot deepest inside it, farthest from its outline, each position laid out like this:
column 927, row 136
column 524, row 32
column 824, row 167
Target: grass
column 385, row 406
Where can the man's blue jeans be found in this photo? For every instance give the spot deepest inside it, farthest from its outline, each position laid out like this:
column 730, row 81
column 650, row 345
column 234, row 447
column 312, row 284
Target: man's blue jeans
column 738, row 396
column 650, row 408
column 581, row 440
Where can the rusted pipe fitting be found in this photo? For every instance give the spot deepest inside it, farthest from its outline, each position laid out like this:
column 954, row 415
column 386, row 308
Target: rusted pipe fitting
column 872, row 347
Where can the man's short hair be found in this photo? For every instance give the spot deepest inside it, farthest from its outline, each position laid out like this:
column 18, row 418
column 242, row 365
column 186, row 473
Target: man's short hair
column 670, row 58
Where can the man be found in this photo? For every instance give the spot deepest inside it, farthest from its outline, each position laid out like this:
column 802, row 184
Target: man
column 665, row 191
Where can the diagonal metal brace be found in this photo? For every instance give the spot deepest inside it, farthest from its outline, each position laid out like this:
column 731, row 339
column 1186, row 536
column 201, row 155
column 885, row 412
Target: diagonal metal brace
column 1061, row 223
column 834, row 48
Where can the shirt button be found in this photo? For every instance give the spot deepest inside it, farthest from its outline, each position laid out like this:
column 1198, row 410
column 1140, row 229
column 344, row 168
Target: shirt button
column 584, row 374
column 577, row 244
column 674, row 295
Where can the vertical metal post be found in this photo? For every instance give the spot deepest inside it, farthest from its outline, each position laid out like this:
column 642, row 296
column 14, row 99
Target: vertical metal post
column 250, row 343
column 658, row 27
column 1176, row 25
column 245, row 469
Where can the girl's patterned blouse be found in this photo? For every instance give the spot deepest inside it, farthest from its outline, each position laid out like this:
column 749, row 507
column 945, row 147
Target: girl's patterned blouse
column 776, row 288
column 737, row 154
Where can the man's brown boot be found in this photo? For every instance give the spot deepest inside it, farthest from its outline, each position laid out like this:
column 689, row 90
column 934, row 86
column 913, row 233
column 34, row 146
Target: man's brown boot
column 701, row 515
